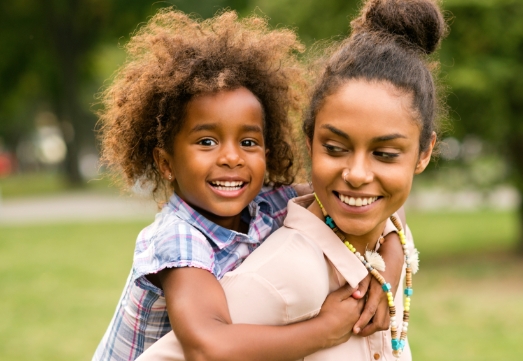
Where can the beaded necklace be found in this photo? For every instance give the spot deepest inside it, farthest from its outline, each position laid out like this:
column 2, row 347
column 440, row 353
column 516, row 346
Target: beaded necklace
column 373, row 261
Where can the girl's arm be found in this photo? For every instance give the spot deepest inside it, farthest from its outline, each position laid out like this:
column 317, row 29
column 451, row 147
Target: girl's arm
column 200, row 318
column 376, row 307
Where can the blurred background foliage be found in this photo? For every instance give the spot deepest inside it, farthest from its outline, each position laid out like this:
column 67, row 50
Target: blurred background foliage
column 56, row 56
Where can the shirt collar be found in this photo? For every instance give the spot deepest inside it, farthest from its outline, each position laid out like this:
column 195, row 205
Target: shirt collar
column 220, row 236
column 347, row 264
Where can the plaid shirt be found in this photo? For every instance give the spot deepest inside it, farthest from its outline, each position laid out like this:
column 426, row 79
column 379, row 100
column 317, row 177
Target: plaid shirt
column 181, row 237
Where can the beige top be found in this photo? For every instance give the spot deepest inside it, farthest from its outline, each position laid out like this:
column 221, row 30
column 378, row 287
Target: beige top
column 287, row 279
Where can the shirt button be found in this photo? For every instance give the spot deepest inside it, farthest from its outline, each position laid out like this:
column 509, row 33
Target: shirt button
column 377, row 356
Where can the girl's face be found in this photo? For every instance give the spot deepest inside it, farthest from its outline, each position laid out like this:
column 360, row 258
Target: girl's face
column 218, row 157
column 365, row 133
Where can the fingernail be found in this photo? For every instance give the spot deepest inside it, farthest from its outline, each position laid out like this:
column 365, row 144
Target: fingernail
column 357, row 330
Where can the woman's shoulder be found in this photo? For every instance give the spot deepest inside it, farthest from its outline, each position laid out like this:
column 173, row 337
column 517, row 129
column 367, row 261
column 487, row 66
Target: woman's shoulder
column 290, row 267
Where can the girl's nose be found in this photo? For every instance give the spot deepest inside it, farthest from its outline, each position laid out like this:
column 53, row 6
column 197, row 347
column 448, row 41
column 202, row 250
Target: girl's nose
column 231, row 157
column 358, row 172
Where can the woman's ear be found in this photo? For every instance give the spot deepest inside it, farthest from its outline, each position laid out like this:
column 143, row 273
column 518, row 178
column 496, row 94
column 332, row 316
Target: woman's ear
column 309, row 146
column 163, row 162
column 424, row 158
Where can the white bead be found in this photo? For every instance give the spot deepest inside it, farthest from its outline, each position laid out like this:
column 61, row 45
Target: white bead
column 405, row 324
column 406, row 253
column 393, row 324
column 357, row 254
column 405, row 329
column 393, row 319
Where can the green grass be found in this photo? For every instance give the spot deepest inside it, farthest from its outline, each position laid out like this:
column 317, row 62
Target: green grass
column 46, row 183
column 60, row 284
column 439, row 234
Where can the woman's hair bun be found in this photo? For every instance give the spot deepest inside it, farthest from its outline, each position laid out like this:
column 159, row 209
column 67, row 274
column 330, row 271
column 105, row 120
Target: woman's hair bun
column 419, row 22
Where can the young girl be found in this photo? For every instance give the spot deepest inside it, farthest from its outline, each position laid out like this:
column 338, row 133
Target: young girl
column 370, row 129
column 202, row 109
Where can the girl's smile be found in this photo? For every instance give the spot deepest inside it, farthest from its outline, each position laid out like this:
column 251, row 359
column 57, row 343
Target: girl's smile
column 365, row 152
column 218, row 156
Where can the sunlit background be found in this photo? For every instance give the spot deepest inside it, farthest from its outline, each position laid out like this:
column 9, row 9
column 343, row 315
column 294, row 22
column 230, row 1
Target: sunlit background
column 67, row 235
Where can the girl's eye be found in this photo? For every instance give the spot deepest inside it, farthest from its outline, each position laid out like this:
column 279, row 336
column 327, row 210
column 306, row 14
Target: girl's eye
column 332, row 149
column 386, row 155
column 207, row 142
column 248, row 143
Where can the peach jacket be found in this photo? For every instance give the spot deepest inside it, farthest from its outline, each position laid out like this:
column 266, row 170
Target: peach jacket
column 287, row 279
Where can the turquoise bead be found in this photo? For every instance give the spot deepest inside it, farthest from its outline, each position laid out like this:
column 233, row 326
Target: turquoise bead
column 408, row 291
column 386, row 287
column 330, row 222
column 395, row 344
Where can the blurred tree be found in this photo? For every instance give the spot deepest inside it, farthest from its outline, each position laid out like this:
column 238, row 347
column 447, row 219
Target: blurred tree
column 47, row 54
column 483, row 62
column 47, row 49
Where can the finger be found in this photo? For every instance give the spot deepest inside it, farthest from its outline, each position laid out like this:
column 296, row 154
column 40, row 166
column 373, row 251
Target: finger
column 369, row 311
column 380, row 322
column 344, row 292
column 363, row 287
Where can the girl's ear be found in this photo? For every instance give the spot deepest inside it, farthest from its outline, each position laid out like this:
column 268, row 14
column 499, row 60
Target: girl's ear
column 424, row 157
column 163, row 162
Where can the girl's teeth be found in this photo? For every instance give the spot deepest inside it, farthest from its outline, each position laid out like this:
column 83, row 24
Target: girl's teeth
column 358, row 202
column 227, row 185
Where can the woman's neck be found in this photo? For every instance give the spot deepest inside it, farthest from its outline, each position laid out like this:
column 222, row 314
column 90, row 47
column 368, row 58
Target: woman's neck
column 362, row 242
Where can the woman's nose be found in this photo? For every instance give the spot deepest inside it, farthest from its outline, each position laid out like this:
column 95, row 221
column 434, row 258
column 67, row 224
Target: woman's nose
column 358, row 172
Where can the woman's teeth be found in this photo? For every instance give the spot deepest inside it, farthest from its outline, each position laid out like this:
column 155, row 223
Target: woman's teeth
column 227, row 186
column 357, row 202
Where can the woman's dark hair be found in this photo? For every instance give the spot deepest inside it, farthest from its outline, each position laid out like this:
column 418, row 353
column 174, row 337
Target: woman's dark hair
column 391, row 42
column 175, row 57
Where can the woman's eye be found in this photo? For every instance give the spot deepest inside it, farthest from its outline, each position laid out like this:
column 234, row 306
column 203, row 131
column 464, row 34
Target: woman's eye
column 248, row 143
column 332, row 148
column 207, row 142
column 386, row 155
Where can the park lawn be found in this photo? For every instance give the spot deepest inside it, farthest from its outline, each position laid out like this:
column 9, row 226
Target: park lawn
column 61, row 282
column 48, row 183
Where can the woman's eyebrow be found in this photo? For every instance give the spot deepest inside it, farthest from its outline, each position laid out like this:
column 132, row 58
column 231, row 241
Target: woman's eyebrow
column 384, row 138
column 336, row 131
column 381, row 138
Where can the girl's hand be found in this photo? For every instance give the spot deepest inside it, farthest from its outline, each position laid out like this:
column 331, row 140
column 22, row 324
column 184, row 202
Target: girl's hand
column 375, row 316
column 339, row 313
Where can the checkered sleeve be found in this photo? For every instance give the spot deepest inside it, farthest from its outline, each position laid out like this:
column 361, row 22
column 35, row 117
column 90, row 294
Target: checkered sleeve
column 171, row 244
column 278, row 198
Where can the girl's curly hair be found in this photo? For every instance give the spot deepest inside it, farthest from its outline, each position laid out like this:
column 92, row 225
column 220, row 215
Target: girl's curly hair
column 174, row 57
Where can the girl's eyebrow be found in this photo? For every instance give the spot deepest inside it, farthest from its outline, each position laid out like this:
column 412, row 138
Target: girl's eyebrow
column 213, row 126
column 200, row 127
column 381, row 138
column 252, row 128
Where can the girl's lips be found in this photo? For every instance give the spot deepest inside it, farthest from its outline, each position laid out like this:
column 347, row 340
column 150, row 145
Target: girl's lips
column 229, row 188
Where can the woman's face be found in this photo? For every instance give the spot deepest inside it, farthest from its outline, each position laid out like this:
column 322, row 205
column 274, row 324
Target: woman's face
column 365, row 152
